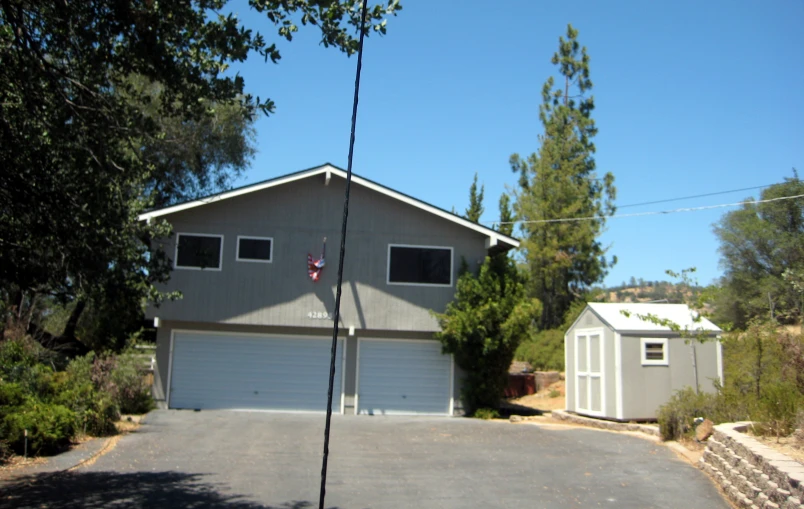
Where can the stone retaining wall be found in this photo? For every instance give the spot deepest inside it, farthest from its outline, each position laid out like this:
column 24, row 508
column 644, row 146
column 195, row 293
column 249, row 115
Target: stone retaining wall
column 563, row 415
column 753, row 475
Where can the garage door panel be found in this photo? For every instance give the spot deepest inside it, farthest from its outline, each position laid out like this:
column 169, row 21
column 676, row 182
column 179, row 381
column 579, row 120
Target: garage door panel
column 403, row 377
column 215, row 371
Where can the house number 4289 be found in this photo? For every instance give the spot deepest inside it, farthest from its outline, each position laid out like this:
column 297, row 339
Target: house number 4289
column 319, row 315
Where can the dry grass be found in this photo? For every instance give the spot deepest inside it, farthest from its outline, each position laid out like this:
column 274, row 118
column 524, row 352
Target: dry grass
column 542, row 400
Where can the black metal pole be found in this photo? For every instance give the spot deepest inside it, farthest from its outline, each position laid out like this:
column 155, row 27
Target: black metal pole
column 336, row 316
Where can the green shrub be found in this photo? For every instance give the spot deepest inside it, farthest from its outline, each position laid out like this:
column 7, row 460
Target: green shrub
column 132, row 392
column 50, row 427
column 486, row 414
column 544, row 350
column 86, row 389
column 11, row 395
column 778, row 409
column 677, row 416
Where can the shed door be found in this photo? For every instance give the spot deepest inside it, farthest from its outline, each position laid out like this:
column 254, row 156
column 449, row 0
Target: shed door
column 403, row 377
column 589, row 371
column 220, row 370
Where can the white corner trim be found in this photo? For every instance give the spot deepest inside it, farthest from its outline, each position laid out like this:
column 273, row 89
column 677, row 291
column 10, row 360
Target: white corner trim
column 157, row 322
column 451, row 385
column 252, row 260
column 451, row 266
column 492, row 241
column 618, row 373
column 329, row 169
column 569, row 380
column 328, row 176
column 191, row 234
column 168, row 389
column 719, row 355
column 646, row 362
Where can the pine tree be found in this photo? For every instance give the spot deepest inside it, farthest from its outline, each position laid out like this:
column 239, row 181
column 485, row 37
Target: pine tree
column 475, row 209
column 559, row 182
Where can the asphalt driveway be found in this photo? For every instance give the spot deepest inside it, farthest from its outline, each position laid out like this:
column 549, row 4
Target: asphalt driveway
column 245, row 460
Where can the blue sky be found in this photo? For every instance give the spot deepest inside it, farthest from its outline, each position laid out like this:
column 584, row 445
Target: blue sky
column 692, row 98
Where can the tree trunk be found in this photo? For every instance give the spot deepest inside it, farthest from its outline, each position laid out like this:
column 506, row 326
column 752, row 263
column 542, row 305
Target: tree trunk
column 72, row 323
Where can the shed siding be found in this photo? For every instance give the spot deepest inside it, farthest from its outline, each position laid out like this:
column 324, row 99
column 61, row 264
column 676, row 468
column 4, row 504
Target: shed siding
column 645, row 388
column 298, row 215
column 161, row 373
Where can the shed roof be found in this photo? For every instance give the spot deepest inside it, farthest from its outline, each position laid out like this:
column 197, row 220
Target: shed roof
column 680, row 314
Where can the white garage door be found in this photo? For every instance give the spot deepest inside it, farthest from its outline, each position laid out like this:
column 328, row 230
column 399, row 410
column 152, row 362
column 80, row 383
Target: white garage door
column 252, row 372
column 403, row 377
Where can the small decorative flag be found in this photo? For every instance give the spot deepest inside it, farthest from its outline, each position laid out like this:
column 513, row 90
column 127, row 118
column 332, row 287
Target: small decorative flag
column 314, row 266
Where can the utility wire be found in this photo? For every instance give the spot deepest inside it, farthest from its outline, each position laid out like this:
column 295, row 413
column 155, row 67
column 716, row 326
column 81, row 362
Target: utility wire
column 336, row 317
column 652, row 213
column 693, row 196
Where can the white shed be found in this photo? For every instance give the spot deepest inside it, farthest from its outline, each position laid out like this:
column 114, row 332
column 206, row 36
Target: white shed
column 622, row 367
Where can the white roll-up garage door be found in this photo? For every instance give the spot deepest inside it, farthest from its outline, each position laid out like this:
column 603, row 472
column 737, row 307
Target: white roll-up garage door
column 403, row 377
column 213, row 371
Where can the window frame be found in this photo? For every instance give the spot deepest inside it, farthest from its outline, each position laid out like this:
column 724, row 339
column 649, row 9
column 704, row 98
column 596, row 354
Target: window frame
column 665, row 361
column 176, row 265
column 253, row 260
column 436, row 285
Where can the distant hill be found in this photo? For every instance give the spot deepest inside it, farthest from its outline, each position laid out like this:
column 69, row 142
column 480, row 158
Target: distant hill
column 650, row 291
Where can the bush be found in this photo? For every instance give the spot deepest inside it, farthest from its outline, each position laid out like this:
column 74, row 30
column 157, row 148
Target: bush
column 778, row 408
column 544, row 350
column 486, row 414
column 677, row 416
column 50, row 427
column 133, row 393
column 11, row 395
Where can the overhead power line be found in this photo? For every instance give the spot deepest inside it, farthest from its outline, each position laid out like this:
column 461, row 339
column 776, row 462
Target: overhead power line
column 693, row 196
column 651, row 213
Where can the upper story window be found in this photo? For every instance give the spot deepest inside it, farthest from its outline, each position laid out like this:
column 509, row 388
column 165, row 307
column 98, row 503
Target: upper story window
column 255, row 249
column 198, row 251
column 654, row 352
column 419, row 265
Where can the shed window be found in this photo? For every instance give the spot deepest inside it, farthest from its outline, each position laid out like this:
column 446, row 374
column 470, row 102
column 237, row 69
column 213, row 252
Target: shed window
column 420, row 265
column 198, row 251
column 255, row 249
column 654, row 352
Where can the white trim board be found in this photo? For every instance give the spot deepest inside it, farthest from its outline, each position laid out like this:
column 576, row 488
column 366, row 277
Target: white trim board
column 494, row 237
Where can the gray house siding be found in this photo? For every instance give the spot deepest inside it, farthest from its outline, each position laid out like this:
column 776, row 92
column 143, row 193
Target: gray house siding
column 297, row 216
column 649, row 387
column 161, row 375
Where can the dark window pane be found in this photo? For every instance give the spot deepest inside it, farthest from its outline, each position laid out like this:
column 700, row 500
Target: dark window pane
column 201, row 252
column 654, row 351
column 420, row 265
column 254, row 249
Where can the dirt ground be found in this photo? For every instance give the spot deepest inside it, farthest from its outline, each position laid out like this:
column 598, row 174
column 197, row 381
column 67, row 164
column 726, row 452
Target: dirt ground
column 546, row 400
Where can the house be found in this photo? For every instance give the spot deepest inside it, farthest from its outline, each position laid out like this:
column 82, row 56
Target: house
column 253, row 329
column 622, row 367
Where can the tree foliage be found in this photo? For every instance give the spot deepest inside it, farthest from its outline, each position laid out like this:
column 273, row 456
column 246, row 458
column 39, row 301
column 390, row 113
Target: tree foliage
column 108, row 108
column 762, row 252
column 485, row 323
column 475, row 209
column 483, row 326
column 558, row 182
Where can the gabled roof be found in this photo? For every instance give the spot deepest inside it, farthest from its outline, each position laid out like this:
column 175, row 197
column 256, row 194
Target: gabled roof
column 494, row 239
column 680, row 314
